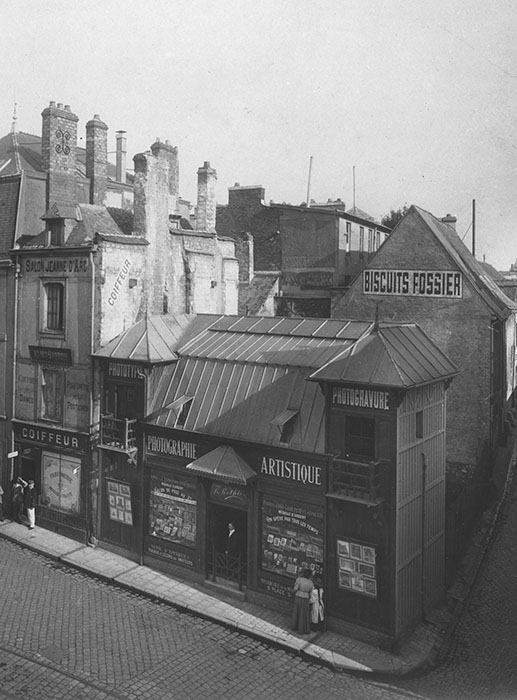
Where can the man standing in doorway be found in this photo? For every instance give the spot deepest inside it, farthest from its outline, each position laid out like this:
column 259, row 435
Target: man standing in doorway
column 30, row 498
column 232, row 541
column 18, row 486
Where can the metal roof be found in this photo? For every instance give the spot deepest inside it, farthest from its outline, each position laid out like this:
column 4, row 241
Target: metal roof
column 152, row 340
column 223, row 464
column 400, row 356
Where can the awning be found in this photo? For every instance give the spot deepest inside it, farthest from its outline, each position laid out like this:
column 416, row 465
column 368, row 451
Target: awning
column 223, row 464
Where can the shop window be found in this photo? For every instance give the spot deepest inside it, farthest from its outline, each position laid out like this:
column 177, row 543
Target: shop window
column 52, row 394
column 419, row 424
column 54, row 311
column 173, row 509
column 360, row 437
column 60, row 482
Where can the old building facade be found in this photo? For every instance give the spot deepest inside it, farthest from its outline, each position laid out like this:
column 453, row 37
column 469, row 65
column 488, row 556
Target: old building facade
column 81, row 277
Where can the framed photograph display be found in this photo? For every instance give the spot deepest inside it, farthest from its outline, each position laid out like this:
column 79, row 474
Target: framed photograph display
column 119, row 498
column 357, row 567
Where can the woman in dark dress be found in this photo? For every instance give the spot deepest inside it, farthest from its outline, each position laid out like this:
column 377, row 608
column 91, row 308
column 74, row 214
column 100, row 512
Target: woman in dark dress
column 302, row 611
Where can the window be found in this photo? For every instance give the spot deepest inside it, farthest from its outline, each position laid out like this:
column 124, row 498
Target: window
column 54, row 306
column 360, row 437
column 52, row 394
column 370, row 240
column 348, row 236
column 361, row 240
column 56, row 228
column 285, row 424
column 183, row 412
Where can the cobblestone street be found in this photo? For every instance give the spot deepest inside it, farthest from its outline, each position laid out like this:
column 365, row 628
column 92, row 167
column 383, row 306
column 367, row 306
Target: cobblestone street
column 482, row 661
column 67, row 635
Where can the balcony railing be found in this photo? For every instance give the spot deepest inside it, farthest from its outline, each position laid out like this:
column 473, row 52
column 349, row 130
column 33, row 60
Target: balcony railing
column 118, row 433
column 357, row 480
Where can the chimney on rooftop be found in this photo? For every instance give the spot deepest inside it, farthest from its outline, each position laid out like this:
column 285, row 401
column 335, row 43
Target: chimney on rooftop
column 206, row 204
column 97, row 158
column 58, row 153
column 120, row 175
column 451, row 220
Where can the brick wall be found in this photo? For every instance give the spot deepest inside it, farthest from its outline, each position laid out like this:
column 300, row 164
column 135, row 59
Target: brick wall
column 96, row 158
column 58, row 153
column 461, row 327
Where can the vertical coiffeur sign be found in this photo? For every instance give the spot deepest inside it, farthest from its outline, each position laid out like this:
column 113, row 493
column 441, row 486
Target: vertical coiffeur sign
column 446, row 284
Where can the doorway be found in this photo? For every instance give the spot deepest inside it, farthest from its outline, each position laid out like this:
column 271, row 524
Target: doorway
column 227, row 558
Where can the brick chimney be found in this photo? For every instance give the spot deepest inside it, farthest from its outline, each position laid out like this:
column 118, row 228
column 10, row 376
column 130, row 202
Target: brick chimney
column 97, row 158
column 58, row 153
column 169, row 155
column 206, row 204
column 120, row 175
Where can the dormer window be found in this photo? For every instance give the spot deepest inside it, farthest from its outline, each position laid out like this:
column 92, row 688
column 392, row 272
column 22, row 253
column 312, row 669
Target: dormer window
column 285, row 424
column 181, row 409
column 56, row 232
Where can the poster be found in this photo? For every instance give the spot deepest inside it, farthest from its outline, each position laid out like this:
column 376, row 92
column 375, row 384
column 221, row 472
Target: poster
column 292, row 537
column 357, row 569
column 173, row 509
column 119, row 498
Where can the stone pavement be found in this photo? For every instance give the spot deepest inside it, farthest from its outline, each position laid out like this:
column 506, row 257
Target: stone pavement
column 327, row 648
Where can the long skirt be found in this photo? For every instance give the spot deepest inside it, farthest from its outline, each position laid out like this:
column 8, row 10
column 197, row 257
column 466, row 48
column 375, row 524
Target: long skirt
column 301, row 615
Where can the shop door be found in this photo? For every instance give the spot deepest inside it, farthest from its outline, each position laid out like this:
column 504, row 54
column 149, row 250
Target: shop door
column 227, row 555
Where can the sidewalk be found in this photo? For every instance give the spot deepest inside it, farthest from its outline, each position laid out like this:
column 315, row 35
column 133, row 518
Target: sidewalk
column 328, row 648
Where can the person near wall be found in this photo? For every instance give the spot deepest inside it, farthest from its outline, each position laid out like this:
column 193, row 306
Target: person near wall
column 1, row 505
column 317, row 606
column 303, row 586
column 232, row 541
column 17, row 495
column 30, row 499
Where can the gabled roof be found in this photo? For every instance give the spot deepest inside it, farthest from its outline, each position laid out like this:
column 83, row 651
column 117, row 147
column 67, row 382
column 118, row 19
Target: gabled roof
column 473, row 270
column 399, row 357
column 153, row 340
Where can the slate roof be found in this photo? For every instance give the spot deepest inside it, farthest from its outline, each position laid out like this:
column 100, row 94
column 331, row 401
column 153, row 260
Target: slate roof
column 9, row 191
column 22, row 151
column 473, row 270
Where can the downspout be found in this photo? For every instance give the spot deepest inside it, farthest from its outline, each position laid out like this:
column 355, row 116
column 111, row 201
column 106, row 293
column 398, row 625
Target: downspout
column 15, row 353
column 422, row 559
column 93, row 482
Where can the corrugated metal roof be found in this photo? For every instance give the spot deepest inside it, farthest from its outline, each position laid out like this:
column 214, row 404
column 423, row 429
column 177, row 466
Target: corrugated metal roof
column 391, row 356
column 151, row 340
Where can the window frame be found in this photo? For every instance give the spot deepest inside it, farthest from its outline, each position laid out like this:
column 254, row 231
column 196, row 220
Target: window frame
column 58, row 390
column 60, row 312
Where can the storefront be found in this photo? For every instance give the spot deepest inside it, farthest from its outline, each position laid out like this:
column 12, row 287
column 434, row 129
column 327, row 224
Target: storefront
column 58, row 461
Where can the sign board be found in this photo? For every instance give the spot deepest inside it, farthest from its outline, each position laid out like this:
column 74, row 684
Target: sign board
column 12, row 455
column 446, row 284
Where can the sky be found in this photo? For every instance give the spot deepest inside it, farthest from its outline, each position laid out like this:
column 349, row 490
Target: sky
column 418, row 97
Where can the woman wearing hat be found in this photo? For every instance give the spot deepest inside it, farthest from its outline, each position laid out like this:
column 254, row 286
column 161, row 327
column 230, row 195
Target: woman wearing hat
column 302, row 611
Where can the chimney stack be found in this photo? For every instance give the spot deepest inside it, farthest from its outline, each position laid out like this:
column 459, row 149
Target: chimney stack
column 169, row 155
column 451, row 220
column 58, row 153
column 121, row 157
column 206, row 204
column 97, row 158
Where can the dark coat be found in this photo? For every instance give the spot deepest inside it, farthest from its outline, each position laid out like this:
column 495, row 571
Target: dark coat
column 30, row 498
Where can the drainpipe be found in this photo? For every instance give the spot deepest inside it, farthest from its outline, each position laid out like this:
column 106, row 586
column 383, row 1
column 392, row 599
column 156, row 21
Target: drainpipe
column 93, row 488
column 15, row 351
column 422, row 572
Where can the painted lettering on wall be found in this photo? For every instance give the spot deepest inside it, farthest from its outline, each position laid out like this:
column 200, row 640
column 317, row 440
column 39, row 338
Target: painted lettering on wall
column 425, row 283
column 49, row 437
column 176, row 448
column 57, row 265
column 118, row 282
column 125, row 370
column 293, row 471
column 361, row 398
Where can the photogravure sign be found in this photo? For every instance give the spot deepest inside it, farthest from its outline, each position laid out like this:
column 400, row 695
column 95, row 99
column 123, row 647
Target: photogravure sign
column 446, row 284
column 292, row 537
column 357, row 567
column 361, row 398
